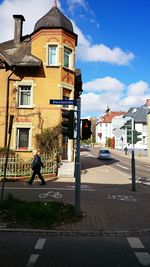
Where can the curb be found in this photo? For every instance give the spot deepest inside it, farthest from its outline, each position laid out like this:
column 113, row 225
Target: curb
column 72, row 233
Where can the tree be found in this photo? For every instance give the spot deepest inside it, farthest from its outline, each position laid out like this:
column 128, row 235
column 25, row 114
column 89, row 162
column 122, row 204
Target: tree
column 48, row 140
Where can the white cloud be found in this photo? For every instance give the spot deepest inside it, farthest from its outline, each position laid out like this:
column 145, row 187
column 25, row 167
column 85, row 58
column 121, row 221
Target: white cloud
column 137, row 94
column 74, row 3
column 32, row 10
column 97, row 103
column 102, row 53
column 86, row 52
column 138, row 89
column 82, row 40
column 134, row 95
column 104, row 84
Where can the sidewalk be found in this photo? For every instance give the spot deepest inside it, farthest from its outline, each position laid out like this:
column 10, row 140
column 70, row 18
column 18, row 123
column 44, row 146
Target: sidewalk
column 118, row 209
column 110, row 207
column 139, row 158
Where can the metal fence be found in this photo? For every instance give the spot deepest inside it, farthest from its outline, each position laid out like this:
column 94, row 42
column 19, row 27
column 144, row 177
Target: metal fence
column 19, row 168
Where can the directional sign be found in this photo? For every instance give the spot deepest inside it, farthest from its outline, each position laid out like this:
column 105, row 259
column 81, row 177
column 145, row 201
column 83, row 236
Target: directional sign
column 117, row 132
column 62, row 102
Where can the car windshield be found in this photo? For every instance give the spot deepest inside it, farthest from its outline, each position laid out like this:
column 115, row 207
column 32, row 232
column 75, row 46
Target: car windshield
column 105, row 151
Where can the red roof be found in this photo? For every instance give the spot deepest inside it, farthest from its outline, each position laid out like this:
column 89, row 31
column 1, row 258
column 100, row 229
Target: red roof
column 107, row 118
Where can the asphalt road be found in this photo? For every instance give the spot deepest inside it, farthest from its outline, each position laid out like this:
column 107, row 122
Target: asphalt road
column 123, row 164
column 47, row 250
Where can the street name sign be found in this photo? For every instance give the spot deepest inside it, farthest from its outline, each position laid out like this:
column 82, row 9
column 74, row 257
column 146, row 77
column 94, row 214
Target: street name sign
column 62, row 102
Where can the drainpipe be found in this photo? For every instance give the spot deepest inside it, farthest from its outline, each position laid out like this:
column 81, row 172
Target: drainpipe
column 7, row 109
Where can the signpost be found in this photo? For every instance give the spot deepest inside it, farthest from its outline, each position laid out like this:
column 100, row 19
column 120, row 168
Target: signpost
column 7, row 155
column 77, row 157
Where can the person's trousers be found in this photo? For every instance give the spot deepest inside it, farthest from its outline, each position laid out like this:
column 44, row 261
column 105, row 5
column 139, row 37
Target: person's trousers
column 37, row 172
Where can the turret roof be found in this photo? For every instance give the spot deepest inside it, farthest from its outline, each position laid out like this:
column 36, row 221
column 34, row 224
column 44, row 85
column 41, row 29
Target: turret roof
column 54, row 19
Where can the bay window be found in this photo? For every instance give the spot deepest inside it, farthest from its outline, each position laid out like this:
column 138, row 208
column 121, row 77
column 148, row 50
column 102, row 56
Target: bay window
column 67, row 58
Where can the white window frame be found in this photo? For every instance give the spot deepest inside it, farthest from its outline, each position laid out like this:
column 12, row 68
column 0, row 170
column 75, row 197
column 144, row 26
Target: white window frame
column 18, row 128
column 70, row 57
column 48, row 54
column 18, row 96
column 22, row 90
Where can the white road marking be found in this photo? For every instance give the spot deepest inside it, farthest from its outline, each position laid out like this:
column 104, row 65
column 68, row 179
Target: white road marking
column 121, row 197
column 40, row 243
column 33, row 258
column 143, row 257
column 46, row 188
column 123, row 167
column 135, row 242
column 147, row 166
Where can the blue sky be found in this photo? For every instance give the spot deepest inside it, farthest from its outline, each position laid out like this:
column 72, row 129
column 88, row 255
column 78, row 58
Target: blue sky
column 113, row 49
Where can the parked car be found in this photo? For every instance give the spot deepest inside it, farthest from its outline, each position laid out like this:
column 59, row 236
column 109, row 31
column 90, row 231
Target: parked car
column 104, row 154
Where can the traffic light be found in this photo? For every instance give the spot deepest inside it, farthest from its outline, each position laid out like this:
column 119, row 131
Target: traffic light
column 128, row 126
column 68, row 123
column 135, row 136
column 86, row 129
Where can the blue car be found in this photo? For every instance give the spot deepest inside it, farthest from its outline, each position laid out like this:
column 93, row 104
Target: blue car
column 104, row 154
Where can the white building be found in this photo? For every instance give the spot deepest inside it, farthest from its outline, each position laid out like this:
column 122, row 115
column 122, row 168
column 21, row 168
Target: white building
column 105, row 127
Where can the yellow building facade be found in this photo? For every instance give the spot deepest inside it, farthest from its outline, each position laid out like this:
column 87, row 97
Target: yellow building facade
column 33, row 70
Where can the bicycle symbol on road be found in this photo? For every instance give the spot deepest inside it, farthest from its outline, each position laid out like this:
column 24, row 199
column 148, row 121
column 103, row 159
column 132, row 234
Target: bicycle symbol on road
column 121, row 197
column 51, row 194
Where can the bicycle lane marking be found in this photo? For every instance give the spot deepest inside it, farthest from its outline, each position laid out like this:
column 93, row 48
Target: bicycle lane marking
column 142, row 256
column 34, row 257
column 40, row 243
column 58, row 194
column 51, row 194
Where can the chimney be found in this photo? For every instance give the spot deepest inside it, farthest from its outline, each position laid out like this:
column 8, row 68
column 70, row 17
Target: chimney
column 148, row 103
column 18, row 28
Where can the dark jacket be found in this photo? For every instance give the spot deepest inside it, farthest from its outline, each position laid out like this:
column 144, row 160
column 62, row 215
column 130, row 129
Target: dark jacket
column 37, row 163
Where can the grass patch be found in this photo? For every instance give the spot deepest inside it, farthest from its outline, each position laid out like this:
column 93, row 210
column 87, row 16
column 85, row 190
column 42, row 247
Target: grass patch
column 18, row 213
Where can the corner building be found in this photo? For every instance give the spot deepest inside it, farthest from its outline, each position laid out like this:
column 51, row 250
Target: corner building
column 33, row 70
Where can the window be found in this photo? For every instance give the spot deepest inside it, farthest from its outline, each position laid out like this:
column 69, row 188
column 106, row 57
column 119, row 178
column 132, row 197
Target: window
column 24, row 96
column 52, row 55
column 67, row 57
column 23, row 138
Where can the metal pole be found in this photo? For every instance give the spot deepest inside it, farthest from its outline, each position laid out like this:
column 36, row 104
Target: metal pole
column 133, row 160
column 78, row 164
column 133, row 171
column 7, row 155
column 132, row 125
column 7, row 109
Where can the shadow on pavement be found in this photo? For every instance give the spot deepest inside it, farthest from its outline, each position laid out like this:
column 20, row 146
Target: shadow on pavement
column 90, row 162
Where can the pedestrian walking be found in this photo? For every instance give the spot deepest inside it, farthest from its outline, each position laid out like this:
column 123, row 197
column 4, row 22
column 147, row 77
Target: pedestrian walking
column 36, row 167
column 126, row 150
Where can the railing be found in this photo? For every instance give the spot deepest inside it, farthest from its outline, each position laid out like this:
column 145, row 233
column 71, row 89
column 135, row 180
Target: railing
column 17, row 167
